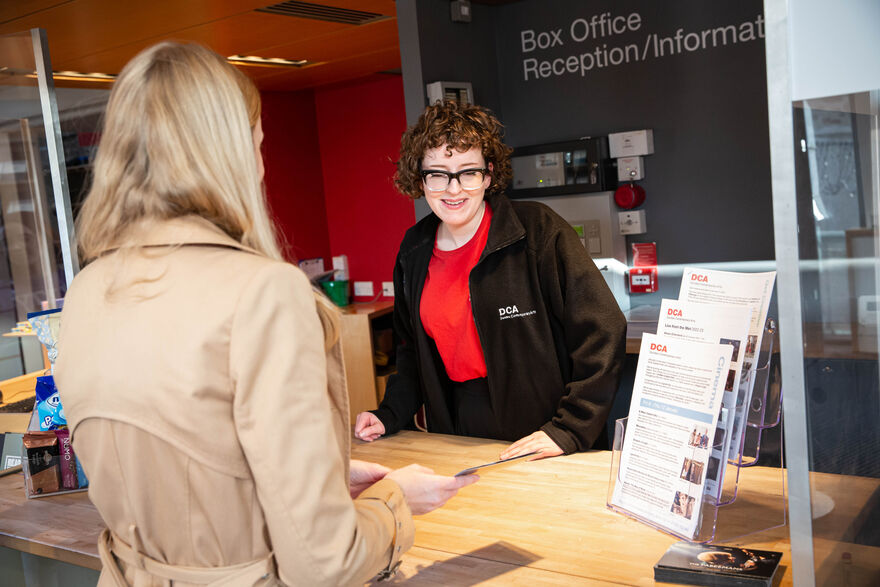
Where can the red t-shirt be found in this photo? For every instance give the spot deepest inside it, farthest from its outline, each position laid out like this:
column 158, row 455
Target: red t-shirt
column 445, row 308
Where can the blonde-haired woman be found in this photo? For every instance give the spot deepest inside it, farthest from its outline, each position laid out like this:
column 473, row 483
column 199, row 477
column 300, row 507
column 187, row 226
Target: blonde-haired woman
column 202, row 387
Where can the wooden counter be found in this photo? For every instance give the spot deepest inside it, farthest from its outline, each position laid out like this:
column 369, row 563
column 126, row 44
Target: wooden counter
column 543, row 522
column 62, row 527
column 540, row 522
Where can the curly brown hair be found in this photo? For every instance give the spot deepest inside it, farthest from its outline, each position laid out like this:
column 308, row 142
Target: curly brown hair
column 460, row 127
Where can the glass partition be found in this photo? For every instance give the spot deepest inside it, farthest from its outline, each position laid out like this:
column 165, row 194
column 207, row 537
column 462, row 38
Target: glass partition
column 825, row 151
column 835, row 146
column 37, row 260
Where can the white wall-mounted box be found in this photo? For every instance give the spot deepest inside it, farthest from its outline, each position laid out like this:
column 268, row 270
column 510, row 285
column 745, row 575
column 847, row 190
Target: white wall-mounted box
column 632, row 222
column 630, row 169
column 631, row 144
column 340, row 267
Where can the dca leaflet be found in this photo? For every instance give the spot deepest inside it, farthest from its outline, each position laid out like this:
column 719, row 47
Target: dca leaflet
column 677, row 397
column 750, row 290
column 711, row 323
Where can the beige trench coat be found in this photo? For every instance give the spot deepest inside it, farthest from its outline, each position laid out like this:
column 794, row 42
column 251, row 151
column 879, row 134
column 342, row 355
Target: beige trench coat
column 212, row 425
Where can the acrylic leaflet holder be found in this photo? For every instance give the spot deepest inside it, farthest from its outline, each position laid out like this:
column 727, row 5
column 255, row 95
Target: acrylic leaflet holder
column 752, row 496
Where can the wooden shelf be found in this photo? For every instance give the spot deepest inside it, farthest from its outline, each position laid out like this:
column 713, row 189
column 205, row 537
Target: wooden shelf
column 357, row 348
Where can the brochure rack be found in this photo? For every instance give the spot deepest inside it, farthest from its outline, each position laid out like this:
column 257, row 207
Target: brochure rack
column 752, row 497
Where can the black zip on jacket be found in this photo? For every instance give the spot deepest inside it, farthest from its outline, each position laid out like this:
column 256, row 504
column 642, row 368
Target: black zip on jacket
column 552, row 334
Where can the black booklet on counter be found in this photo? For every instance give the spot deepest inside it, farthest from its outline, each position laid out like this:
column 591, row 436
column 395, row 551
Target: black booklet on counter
column 724, row 566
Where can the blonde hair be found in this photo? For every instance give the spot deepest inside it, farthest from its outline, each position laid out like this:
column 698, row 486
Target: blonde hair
column 177, row 140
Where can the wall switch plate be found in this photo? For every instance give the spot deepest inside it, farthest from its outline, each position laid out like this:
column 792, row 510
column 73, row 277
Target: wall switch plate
column 632, row 222
column 388, row 289
column 363, row 288
column 590, row 233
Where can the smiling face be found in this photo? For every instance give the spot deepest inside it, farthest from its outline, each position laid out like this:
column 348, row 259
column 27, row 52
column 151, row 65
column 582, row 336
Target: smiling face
column 459, row 210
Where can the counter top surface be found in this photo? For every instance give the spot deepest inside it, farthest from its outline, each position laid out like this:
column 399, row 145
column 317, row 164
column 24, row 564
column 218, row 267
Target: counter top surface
column 62, row 527
column 542, row 522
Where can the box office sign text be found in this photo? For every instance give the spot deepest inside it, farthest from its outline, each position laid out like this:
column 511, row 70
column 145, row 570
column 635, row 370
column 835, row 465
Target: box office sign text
column 607, row 40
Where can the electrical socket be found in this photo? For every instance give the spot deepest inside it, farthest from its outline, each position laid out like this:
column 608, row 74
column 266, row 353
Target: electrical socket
column 363, row 288
column 388, row 289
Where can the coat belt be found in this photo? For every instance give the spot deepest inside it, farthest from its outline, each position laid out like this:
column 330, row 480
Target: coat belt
column 249, row 573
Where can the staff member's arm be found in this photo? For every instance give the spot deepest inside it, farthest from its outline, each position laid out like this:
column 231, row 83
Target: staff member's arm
column 594, row 331
column 402, row 393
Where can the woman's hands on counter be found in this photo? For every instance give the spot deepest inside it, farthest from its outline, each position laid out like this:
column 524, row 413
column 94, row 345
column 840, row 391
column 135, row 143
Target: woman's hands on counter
column 423, row 490
column 362, row 474
column 368, row 427
column 536, row 442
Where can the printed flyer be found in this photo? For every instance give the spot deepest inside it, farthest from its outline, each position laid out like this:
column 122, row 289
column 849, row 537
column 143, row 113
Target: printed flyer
column 677, row 397
column 749, row 290
column 711, row 323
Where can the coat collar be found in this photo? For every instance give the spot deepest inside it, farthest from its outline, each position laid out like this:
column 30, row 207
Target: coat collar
column 183, row 230
column 506, row 227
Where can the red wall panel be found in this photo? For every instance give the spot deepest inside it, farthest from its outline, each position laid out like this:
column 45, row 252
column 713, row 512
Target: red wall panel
column 359, row 129
column 294, row 181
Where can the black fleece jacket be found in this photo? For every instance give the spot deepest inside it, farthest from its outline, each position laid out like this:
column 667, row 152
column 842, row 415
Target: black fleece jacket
column 552, row 333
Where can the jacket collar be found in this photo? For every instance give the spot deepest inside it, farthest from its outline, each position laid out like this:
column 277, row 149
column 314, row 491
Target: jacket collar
column 183, row 230
column 504, row 230
column 506, row 227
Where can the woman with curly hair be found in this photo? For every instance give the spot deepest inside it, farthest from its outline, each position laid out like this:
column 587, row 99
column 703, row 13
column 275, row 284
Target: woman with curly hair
column 506, row 328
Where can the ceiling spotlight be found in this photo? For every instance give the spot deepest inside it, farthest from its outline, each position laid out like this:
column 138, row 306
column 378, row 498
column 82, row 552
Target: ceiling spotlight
column 76, row 76
column 255, row 61
column 79, row 76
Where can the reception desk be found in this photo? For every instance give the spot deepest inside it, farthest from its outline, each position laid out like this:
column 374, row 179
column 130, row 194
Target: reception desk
column 541, row 522
column 536, row 523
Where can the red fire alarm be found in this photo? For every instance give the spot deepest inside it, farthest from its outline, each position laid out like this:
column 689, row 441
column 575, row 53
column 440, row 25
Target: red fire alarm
column 643, row 274
column 629, row 196
column 643, row 280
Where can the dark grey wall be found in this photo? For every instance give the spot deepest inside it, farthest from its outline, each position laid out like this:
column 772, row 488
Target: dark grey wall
column 448, row 51
column 708, row 182
column 453, row 51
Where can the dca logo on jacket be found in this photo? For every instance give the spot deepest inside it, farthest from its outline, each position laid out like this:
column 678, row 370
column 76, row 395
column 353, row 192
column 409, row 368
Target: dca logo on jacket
column 506, row 312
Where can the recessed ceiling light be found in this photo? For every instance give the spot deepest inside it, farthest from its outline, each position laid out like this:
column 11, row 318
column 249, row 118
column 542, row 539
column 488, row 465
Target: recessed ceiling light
column 267, row 61
column 79, row 76
column 76, row 76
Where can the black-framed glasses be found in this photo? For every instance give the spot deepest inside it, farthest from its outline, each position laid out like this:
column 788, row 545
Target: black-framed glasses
column 437, row 180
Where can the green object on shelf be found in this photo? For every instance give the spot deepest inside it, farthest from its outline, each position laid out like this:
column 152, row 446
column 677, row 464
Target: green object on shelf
column 337, row 291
